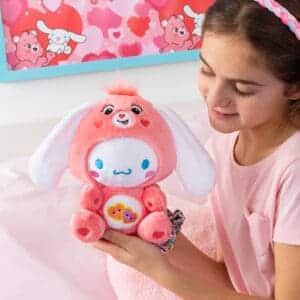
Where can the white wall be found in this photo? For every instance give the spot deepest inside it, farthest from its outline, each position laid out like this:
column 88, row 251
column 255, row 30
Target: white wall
column 36, row 100
column 29, row 109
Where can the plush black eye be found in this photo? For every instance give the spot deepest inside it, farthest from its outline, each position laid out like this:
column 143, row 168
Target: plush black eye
column 136, row 109
column 108, row 109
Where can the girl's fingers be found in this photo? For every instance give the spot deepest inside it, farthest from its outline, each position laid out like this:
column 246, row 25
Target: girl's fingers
column 119, row 239
column 111, row 249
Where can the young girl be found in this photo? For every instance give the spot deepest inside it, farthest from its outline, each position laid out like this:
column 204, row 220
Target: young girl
column 250, row 80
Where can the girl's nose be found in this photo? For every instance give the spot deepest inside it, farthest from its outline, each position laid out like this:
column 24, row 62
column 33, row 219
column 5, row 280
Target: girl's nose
column 218, row 95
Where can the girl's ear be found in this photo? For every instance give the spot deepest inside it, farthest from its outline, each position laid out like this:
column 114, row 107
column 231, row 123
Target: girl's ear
column 50, row 160
column 194, row 165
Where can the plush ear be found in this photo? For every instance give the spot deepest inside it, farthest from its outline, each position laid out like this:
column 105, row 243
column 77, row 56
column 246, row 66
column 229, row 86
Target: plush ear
column 194, row 165
column 50, row 160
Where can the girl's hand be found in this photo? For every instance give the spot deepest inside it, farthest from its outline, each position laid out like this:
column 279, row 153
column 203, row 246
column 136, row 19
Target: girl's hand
column 134, row 252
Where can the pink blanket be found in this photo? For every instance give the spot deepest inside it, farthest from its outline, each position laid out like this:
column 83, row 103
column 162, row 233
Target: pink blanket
column 41, row 260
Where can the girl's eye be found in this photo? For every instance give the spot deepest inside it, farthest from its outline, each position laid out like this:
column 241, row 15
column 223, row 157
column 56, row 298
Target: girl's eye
column 206, row 71
column 176, row 29
column 99, row 164
column 243, row 91
column 107, row 110
column 136, row 109
column 145, row 164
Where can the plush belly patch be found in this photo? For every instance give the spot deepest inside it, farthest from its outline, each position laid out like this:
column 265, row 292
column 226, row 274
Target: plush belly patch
column 122, row 211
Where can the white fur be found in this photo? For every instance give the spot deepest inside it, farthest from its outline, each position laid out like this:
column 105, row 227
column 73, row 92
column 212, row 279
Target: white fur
column 50, row 160
column 194, row 165
column 122, row 154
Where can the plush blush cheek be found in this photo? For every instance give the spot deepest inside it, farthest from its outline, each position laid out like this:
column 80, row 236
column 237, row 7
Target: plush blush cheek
column 98, row 123
column 94, row 174
column 145, row 122
column 149, row 174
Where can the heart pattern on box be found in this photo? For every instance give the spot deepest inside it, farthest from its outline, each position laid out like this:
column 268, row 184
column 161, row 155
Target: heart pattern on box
column 52, row 5
column 58, row 32
column 138, row 26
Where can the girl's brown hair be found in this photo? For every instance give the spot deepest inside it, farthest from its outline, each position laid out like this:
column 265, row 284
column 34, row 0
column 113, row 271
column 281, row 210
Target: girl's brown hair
column 278, row 46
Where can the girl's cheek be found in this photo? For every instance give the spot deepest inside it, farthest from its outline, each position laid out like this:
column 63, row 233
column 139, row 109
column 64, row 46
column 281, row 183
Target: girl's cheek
column 202, row 86
column 250, row 115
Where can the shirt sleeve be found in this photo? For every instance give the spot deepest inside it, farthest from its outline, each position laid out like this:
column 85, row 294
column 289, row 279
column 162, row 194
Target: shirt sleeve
column 287, row 222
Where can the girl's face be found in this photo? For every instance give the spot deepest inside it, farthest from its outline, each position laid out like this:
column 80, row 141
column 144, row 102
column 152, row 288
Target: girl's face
column 239, row 90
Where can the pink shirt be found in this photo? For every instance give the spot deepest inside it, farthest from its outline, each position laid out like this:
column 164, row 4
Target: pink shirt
column 254, row 206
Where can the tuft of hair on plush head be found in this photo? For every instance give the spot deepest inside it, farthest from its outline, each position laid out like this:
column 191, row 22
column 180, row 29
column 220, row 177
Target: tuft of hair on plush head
column 121, row 88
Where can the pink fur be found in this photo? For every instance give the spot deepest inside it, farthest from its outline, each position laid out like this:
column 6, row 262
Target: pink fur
column 96, row 128
column 155, row 227
column 121, row 89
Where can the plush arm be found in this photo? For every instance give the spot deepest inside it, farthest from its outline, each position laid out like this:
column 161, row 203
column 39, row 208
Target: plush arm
column 154, row 199
column 91, row 198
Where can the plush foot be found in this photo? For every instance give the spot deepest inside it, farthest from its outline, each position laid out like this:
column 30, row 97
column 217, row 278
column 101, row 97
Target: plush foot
column 155, row 228
column 87, row 226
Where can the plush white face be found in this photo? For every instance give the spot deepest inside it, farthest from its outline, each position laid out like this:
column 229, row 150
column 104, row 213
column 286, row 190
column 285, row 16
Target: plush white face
column 122, row 162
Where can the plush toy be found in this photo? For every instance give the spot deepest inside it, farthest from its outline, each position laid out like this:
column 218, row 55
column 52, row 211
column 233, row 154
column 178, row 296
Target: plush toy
column 121, row 147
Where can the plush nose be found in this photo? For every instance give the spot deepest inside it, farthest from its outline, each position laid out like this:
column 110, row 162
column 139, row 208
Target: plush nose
column 123, row 119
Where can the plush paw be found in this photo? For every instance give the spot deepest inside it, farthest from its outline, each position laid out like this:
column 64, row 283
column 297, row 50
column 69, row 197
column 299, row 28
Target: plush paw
column 155, row 228
column 154, row 199
column 91, row 199
column 87, row 226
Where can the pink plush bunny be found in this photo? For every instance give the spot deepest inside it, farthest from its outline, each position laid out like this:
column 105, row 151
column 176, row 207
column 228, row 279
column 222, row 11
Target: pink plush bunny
column 121, row 147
